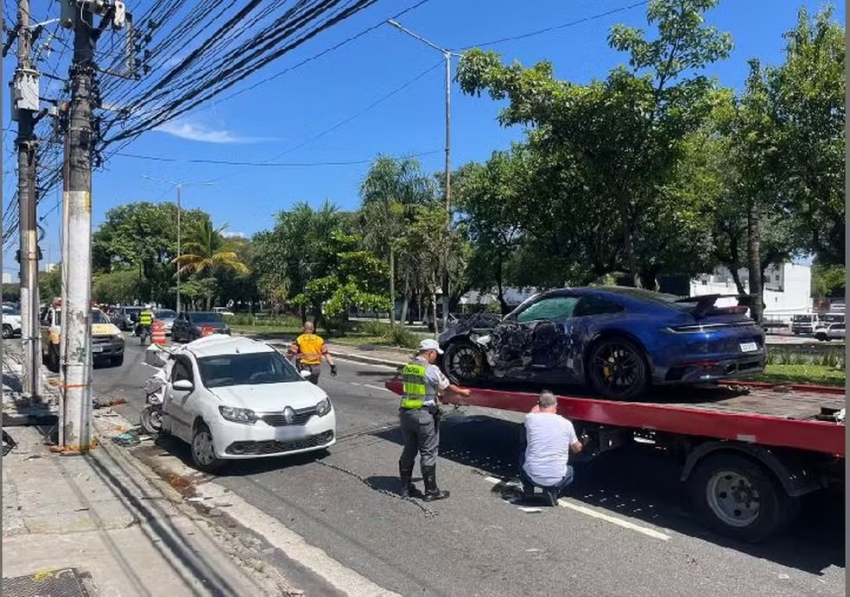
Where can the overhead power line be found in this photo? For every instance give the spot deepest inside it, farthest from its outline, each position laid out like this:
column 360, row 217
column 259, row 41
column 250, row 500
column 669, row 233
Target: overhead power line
column 262, row 164
column 557, row 27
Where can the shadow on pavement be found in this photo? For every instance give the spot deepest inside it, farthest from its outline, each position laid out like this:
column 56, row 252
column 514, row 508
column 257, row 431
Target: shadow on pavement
column 642, row 483
column 166, row 446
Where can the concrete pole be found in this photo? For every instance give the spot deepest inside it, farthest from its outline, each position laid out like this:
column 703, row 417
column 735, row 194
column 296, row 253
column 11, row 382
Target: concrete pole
column 179, row 189
column 77, row 424
column 448, row 190
column 26, row 146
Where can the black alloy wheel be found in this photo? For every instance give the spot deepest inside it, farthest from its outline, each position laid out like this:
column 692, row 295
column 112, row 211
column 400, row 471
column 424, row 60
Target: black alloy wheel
column 464, row 363
column 617, row 369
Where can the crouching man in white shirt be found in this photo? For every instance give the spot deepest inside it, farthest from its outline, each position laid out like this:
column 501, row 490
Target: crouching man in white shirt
column 549, row 440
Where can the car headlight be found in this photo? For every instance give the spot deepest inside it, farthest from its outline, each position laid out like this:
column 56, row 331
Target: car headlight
column 237, row 415
column 323, row 407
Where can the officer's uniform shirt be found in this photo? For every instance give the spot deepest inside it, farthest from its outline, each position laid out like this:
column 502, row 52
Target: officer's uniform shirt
column 435, row 381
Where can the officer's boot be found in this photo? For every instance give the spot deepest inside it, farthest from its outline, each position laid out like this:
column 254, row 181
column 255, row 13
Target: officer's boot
column 432, row 492
column 408, row 489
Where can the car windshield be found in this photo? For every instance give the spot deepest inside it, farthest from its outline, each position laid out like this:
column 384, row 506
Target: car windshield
column 10, row 311
column 205, row 317
column 246, row 369
column 802, row 318
column 98, row 316
column 165, row 314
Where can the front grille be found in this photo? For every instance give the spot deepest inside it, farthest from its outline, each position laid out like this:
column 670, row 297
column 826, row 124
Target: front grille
column 101, row 340
column 278, row 447
column 301, row 417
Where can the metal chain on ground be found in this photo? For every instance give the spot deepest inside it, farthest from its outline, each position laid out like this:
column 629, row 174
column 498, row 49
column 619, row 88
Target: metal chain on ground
column 427, row 511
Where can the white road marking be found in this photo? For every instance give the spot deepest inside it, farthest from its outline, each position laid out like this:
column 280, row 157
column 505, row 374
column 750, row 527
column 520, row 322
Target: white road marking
column 564, row 503
column 377, row 366
column 366, row 385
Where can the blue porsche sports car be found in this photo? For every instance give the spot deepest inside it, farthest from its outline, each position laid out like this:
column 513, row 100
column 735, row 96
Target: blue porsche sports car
column 619, row 341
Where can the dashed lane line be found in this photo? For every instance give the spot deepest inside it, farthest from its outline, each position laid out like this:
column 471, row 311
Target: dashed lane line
column 565, row 503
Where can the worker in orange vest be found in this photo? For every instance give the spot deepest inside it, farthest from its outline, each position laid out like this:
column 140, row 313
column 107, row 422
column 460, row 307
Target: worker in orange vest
column 308, row 350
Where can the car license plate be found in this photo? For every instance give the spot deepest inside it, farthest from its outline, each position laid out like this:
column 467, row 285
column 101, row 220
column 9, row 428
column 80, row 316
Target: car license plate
column 97, row 348
column 749, row 347
column 290, row 433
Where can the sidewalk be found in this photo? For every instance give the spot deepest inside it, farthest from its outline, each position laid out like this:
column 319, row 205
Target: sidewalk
column 104, row 525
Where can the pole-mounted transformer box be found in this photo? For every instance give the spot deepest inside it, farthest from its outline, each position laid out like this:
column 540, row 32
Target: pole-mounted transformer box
column 24, row 88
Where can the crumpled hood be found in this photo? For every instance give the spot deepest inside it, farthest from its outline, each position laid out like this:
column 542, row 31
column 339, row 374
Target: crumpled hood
column 271, row 397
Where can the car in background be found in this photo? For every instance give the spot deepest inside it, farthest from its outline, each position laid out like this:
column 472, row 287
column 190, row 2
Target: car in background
column 190, row 326
column 831, row 331
column 107, row 341
column 11, row 322
column 223, row 311
column 619, row 341
column 237, row 398
column 166, row 316
column 126, row 317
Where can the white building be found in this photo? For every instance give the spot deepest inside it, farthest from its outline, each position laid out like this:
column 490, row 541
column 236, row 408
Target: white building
column 7, row 278
column 787, row 288
column 513, row 296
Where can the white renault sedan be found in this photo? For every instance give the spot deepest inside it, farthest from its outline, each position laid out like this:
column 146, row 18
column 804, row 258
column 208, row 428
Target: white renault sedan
column 236, row 398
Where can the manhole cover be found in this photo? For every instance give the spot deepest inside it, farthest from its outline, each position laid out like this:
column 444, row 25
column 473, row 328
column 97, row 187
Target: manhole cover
column 68, row 582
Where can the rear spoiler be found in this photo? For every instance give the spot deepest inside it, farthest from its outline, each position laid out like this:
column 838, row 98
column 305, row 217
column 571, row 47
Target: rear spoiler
column 705, row 304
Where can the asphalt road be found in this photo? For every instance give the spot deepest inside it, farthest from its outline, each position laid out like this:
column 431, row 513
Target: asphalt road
column 627, row 530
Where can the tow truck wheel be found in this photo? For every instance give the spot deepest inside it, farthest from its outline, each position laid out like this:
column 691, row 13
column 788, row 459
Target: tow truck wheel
column 7, row 331
column 740, row 498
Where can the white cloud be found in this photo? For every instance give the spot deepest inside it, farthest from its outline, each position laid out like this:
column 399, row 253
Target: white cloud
column 234, row 235
column 195, row 131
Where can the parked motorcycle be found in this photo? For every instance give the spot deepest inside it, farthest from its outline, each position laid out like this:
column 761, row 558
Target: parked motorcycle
column 143, row 332
column 151, row 417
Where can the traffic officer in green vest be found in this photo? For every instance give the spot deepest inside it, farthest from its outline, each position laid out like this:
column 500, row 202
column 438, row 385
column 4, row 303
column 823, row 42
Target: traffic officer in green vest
column 145, row 323
column 419, row 417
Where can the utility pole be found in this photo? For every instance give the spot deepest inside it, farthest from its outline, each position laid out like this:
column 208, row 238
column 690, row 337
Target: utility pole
column 26, row 98
column 77, row 360
column 448, row 167
column 179, row 190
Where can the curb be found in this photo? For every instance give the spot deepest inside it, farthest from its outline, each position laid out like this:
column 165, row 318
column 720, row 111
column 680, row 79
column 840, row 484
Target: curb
column 357, row 358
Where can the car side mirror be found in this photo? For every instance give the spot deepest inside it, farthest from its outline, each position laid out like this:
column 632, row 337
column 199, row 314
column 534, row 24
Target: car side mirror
column 306, row 374
column 183, row 385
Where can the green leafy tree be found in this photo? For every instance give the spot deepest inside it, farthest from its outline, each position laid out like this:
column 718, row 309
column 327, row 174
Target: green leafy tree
column 142, row 236
column 353, row 278
column 295, row 251
column 390, row 194
column 117, row 286
column 50, row 284
column 489, row 197
column 619, row 139
column 807, row 106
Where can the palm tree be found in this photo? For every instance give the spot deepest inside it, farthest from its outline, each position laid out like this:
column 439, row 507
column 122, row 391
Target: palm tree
column 207, row 249
column 390, row 194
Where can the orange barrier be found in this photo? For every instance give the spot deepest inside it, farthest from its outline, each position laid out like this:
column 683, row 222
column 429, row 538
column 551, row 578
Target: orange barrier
column 158, row 333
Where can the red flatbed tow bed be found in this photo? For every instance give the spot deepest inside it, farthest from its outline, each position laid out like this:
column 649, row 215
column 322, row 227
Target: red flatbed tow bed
column 773, row 443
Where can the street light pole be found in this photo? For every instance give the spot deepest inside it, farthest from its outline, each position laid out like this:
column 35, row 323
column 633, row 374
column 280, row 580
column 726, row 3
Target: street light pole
column 179, row 186
column 179, row 189
column 448, row 167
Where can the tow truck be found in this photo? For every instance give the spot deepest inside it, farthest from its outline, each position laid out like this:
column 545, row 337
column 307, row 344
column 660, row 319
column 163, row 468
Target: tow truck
column 748, row 451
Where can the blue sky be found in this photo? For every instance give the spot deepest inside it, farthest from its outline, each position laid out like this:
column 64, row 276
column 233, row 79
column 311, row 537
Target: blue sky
column 278, row 121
